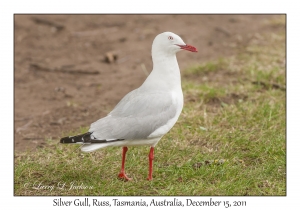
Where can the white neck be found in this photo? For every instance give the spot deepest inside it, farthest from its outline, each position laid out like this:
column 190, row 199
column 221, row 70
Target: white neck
column 165, row 71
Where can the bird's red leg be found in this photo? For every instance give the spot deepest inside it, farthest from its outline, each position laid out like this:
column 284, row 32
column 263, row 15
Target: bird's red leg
column 151, row 158
column 122, row 174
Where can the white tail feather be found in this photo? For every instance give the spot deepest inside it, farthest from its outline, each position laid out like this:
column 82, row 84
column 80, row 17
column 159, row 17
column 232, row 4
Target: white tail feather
column 93, row 147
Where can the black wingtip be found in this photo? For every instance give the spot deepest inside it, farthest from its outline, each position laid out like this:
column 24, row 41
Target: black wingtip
column 67, row 140
column 85, row 138
column 82, row 138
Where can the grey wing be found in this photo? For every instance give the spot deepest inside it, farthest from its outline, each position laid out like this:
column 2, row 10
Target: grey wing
column 136, row 116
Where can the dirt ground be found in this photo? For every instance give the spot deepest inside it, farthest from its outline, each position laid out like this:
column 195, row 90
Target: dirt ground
column 62, row 80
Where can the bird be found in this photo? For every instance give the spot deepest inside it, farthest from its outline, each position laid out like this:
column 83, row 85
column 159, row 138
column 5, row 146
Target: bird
column 146, row 114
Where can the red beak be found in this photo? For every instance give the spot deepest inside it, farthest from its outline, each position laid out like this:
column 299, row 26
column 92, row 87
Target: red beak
column 188, row 47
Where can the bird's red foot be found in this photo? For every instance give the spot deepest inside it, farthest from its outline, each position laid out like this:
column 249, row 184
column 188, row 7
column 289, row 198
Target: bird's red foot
column 123, row 176
column 149, row 178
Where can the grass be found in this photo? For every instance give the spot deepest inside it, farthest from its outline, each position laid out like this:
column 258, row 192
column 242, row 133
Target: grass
column 205, row 68
column 229, row 140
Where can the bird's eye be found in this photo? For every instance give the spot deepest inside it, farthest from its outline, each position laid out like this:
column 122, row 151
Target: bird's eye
column 170, row 37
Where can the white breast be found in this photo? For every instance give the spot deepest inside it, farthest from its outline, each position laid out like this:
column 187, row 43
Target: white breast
column 177, row 98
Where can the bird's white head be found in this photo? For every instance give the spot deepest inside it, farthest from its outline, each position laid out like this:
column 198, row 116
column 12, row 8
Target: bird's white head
column 170, row 43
